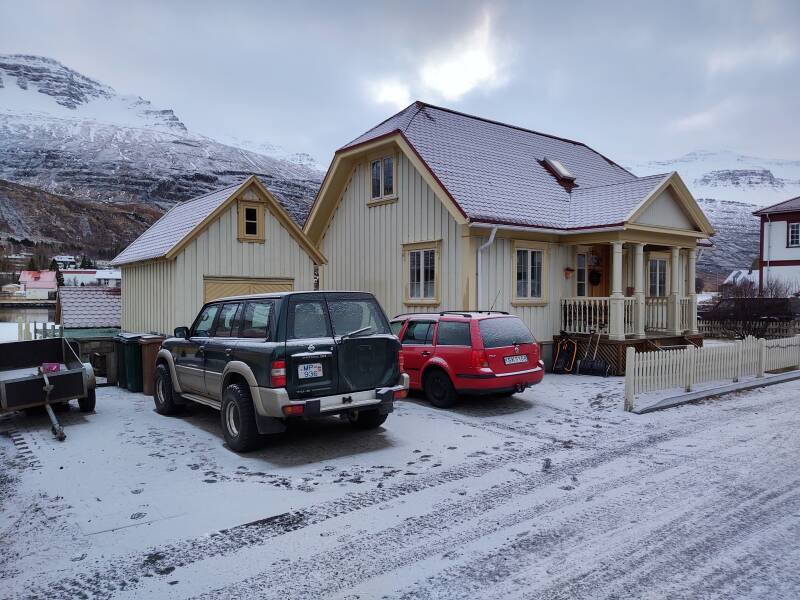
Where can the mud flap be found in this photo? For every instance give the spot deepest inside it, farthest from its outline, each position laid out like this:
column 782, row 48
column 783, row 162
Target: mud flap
column 268, row 425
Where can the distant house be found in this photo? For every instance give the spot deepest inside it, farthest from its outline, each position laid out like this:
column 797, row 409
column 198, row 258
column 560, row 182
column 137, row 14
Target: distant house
column 238, row 240
column 779, row 251
column 745, row 280
column 436, row 210
column 39, row 285
column 77, row 277
column 88, row 307
column 12, row 289
column 66, row 261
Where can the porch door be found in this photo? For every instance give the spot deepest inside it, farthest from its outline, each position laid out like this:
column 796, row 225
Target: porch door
column 599, row 263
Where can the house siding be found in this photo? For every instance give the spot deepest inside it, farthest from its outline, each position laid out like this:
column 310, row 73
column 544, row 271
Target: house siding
column 159, row 296
column 364, row 244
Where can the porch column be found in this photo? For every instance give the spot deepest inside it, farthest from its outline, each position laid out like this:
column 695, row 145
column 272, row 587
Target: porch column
column 638, row 288
column 616, row 304
column 674, row 300
column 692, row 292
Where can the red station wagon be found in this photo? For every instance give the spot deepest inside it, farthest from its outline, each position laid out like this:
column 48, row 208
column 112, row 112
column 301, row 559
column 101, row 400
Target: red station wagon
column 481, row 352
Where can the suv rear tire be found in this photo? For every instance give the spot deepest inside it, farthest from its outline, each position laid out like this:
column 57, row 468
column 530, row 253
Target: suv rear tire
column 366, row 419
column 239, row 419
column 439, row 389
column 163, row 394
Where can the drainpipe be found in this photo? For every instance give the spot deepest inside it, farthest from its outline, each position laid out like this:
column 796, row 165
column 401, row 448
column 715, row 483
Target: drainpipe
column 481, row 248
column 768, row 235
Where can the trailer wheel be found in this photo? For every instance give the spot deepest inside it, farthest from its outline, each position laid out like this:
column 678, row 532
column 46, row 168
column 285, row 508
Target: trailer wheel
column 163, row 394
column 87, row 404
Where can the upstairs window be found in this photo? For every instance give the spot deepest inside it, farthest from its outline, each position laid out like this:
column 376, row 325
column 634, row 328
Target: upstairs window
column 382, row 178
column 251, row 222
column 794, row 235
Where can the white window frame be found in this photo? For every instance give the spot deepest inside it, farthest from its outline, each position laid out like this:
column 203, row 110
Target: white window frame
column 658, row 260
column 530, row 248
column 789, row 232
column 578, row 269
column 383, row 195
column 428, row 294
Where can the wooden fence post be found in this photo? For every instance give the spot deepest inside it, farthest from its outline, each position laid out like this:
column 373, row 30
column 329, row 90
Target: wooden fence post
column 630, row 376
column 739, row 357
column 688, row 365
column 762, row 356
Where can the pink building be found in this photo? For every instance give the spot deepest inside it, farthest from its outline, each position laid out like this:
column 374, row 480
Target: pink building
column 38, row 284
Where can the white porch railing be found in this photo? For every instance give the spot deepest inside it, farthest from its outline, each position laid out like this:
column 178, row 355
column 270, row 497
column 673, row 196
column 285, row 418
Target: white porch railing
column 629, row 316
column 686, row 313
column 656, row 313
column 584, row 315
column 653, row 371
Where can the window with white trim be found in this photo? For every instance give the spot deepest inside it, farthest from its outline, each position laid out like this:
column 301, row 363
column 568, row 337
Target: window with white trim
column 529, row 273
column 794, row 235
column 382, row 170
column 422, row 274
column 580, row 275
column 658, row 277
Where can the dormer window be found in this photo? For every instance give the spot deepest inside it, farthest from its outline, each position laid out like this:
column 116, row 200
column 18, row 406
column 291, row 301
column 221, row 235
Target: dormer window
column 382, row 178
column 558, row 168
column 251, row 222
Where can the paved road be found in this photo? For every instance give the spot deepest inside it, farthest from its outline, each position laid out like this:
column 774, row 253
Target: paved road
column 552, row 494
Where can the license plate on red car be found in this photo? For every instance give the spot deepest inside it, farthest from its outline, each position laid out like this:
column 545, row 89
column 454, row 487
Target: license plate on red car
column 309, row 371
column 515, row 360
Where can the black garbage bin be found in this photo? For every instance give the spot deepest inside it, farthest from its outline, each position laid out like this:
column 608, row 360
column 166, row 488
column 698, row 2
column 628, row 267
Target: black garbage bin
column 131, row 372
column 119, row 358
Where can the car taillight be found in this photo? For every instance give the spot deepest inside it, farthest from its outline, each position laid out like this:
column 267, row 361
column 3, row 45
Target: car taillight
column 400, row 394
column 401, row 362
column 293, row 410
column 479, row 359
column 277, row 374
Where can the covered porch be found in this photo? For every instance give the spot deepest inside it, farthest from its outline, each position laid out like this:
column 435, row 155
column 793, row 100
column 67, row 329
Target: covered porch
column 631, row 290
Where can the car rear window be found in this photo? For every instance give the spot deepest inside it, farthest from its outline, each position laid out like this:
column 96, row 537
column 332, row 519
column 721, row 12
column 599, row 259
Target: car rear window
column 349, row 315
column 453, row 333
column 504, row 331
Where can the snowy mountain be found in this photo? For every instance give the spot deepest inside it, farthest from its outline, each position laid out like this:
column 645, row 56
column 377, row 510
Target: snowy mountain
column 729, row 187
column 70, row 135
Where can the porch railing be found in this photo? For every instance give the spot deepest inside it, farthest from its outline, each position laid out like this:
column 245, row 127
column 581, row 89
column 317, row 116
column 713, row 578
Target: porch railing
column 629, row 315
column 584, row 315
column 686, row 313
column 656, row 313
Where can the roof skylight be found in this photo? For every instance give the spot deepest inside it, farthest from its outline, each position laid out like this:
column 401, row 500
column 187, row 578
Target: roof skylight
column 559, row 169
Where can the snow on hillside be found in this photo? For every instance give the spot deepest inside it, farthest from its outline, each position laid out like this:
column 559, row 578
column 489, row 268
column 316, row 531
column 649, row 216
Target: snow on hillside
column 730, row 176
column 68, row 134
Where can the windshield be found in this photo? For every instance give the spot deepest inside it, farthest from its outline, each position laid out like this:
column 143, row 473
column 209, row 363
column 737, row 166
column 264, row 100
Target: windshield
column 504, row 331
column 348, row 316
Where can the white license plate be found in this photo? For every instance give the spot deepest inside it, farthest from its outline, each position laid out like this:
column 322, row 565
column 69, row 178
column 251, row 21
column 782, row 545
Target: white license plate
column 515, row 360
column 309, row 371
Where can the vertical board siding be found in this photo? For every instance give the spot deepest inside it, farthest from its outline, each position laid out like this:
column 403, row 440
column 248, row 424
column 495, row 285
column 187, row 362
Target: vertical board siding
column 364, row 245
column 159, row 296
column 498, row 280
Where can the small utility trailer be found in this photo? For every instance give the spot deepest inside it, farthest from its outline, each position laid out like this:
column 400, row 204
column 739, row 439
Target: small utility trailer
column 40, row 373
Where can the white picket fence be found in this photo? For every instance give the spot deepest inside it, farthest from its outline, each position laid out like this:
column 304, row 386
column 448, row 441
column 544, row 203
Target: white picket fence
column 683, row 368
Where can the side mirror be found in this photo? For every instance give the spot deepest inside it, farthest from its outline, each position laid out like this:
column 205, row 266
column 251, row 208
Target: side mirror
column 181, row 332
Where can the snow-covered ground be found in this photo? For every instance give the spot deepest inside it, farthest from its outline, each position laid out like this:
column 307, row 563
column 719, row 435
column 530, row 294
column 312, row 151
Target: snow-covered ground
column 554, row 493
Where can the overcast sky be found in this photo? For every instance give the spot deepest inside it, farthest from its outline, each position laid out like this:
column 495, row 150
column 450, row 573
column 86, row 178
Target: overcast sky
column 636, row 80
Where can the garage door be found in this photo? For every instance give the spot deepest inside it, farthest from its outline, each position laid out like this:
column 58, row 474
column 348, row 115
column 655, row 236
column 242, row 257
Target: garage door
column 220, row 287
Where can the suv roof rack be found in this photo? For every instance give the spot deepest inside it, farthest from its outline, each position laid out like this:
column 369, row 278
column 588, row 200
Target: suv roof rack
column 469, row 313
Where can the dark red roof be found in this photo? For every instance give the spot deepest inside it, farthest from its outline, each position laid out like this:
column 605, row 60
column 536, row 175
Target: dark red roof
column 791, row 205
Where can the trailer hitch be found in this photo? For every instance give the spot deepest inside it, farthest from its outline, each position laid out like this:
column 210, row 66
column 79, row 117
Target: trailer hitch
column 55, row 426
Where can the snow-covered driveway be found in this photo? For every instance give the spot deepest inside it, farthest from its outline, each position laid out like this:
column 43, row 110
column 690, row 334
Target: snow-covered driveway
column 555, row 493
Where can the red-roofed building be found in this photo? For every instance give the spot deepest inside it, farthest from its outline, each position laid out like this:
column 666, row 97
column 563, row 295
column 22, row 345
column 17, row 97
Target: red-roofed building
column 39, row 285
column 779, row 251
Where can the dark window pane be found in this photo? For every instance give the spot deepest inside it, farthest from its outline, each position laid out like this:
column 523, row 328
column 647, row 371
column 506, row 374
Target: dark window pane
column 376, row 179
column 429, row 256
column 504, row 331
column 250, row 214
column 350, row 315
column 256, row 319
column 522, row 274
column 202, row 326
column 227, row 320
column 308, row 320
column 417, row 332
column 414, row 274
column 536, row 274
column 250, row 228
column 453, row 333
column 388, row 177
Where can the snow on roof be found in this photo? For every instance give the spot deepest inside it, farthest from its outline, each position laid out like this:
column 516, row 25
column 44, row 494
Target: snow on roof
column 496, row 172
column 38, row 280
column 90, row 306
column 790, row 205
column 740, row 276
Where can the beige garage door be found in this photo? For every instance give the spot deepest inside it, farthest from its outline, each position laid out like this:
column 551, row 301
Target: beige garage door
column 220, row 287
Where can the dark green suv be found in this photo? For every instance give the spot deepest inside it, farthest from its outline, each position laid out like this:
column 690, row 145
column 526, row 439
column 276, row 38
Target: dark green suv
column 263, row 359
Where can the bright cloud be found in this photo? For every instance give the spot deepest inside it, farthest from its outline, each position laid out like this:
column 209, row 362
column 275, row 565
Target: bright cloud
column 470, row 62
column 772, row 51
column 705, row 119
column 393, row 92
